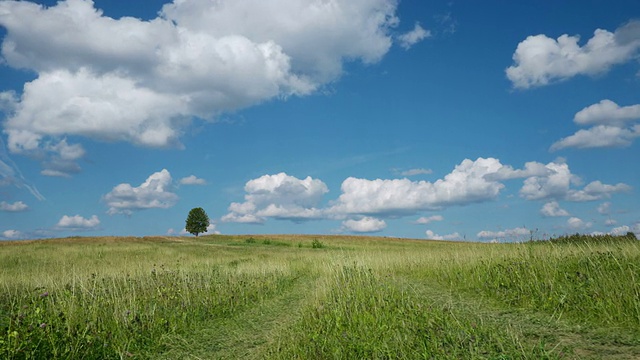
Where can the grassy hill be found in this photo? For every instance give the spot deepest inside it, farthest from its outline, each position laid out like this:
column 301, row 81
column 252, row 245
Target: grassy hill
column 319, row 297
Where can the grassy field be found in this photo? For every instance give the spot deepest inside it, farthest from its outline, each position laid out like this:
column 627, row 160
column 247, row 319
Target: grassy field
column 319, row 297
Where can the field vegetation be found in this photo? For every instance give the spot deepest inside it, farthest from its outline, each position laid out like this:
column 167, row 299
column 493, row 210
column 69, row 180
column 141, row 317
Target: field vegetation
column 319, row 297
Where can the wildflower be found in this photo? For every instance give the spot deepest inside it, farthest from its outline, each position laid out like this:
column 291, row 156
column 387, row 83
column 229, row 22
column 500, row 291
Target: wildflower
column 44, row 294
column 43, row 326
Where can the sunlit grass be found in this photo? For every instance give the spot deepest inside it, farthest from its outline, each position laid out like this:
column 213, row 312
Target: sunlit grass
column 288, row 296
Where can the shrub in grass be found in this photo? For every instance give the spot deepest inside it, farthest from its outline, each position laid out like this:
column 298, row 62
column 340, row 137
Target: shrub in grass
column 316, row 244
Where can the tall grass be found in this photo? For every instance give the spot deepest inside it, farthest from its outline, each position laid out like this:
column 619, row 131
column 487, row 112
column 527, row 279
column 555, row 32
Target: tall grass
column 591, row 281
column 340, row 297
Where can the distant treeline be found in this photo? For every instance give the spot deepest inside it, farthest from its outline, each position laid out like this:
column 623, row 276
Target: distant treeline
column 598, row 238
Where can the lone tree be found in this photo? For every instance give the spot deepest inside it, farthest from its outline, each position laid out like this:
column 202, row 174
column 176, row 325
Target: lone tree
column 197, row 221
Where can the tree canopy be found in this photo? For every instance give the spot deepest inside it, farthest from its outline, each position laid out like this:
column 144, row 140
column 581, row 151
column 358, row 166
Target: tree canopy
column 197, row 221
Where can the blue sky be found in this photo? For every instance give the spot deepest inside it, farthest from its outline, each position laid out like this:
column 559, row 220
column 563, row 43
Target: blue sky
column 484, row 121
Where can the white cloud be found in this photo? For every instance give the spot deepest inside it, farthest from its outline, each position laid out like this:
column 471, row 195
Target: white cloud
column 433, row 236
column 610, row 128
column 278, row 196
column 77, row 222
column 604, row 208
column 607, row 112
column 142, row 81
column 515, row 234
column 407, row 40
column 12, row 234
column 610, row 222
column 192, row 180
column 465, row 184
column 555, row 184
column 364, row 225
column 596, row 190
column 558, row 185
column 598, row 137
column 427, row 220
column 155, row 192
column 413, row 172
column 553, row 209
column 540, row 60
column 15, row 207
column 532, row 168
column 575, row 223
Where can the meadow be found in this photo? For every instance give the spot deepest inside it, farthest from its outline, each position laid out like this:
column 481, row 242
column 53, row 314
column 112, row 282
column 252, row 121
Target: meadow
column 319, row 297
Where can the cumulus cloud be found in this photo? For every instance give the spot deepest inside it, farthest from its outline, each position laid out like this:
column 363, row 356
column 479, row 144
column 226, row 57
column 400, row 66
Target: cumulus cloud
column 465, row 184
column 143, row 81
column 15, row 207
column 607, row 112
column 155, row 192
column 407, row 40
column 364, row 225
column 553, row 209
column 611, row 128
column 559, row 184
column 427, row 220
column 12, row 234
column 278, row 196
column 286, row 197
column 192, row 180
column 598, row 137
column 540, row 60
column 514, row 234
column 604, row 208
column 78, row 222
column 596, row 190
column 433, row 236
column 575, row 223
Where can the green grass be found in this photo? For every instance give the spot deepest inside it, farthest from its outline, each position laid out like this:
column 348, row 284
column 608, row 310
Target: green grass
column 321, row 297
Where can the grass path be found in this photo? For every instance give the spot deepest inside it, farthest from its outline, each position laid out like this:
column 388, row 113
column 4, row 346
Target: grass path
column 249, row 332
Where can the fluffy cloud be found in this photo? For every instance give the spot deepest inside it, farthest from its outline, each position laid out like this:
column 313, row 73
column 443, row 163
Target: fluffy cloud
column 278, row 196
column 282, row 196
column 155, row 192
column 192, row 180
column 142, row 81
column 427, row 220
column 610, row 127
column 604, row 208
column 596, row 190
column 407, row 40
column 433, row 236
column 77, row 222
column 514, row 234
column 364, row 225
column 15, row 207
column 553, row 209
column 12, row 234
column 575, row 223
column 607, row 112
column 540, row 60
column 467, row 183
column 597, row 137
column 557, row 184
